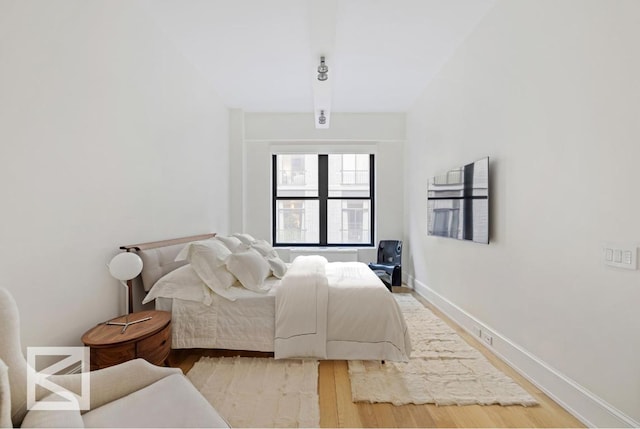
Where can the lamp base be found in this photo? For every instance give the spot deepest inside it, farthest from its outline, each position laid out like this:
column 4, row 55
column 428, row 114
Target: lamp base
column 126, row 323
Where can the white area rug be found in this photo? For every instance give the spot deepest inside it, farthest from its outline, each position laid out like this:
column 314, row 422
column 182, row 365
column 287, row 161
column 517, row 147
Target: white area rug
column 260, row 392
column 443, row 369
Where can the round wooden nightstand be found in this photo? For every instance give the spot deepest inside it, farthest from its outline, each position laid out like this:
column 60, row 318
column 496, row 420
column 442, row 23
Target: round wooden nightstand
column 150, row 340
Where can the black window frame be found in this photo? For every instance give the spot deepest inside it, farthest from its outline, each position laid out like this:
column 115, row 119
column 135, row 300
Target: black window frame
column 322, row 198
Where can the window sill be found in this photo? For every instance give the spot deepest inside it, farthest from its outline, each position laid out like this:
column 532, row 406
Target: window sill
column 333, row 254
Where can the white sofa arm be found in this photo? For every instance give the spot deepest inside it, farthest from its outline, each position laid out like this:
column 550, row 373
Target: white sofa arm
column 5, row 397
column 53, row 418
column 117, row 381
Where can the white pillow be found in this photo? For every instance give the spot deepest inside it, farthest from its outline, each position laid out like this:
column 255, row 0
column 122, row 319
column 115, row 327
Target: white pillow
column 278, row 266
column 245, row 238
column 207, row 259
column 232, row 243
column 181, row 283
column 217, row 278
column 264, row 248
column 250, row 268
column 212, row 247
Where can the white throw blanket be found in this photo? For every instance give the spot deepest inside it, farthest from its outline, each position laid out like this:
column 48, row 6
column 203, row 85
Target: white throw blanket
column 338, row 310
column 301, row 310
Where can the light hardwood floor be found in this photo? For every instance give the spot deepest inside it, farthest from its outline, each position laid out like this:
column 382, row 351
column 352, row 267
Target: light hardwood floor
column 337, row 410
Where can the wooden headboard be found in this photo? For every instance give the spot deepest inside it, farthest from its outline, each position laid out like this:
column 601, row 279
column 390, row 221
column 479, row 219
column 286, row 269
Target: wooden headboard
column 165, row 243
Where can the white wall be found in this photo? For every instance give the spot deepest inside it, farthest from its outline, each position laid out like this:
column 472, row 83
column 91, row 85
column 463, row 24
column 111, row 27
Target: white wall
column 236, row 159
column 549, row 90
column 107, row 137
column 385, row 132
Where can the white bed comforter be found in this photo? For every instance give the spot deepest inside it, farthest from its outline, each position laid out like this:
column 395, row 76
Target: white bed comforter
column 339, row 310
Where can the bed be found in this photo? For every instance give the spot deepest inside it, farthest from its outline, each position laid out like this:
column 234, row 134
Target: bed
column 310, row 308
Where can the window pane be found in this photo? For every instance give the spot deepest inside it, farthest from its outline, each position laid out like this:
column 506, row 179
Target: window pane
column 297, row 175
column 349, row 175
column 348, row 221
column 297, row 221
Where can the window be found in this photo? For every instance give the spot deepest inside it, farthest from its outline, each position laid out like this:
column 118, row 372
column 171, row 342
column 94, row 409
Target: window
column 323, row 200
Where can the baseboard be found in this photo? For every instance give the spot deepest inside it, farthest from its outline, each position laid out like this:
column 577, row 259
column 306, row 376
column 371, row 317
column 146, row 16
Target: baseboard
column 580, row 402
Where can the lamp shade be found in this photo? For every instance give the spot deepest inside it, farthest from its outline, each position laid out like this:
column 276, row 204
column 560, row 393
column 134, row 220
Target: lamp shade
column 125, row 266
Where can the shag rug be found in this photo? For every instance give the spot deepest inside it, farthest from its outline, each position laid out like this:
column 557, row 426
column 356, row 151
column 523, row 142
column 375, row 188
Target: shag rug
column 260, row 392
column 443, row 369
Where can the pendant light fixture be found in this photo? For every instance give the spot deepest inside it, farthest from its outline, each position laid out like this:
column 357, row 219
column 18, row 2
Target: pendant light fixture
column 322, row 71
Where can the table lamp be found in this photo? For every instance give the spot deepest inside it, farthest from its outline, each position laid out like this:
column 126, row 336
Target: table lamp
column 126, row 266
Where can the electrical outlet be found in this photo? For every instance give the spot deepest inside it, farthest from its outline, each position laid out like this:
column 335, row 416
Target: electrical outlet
column 486, row 336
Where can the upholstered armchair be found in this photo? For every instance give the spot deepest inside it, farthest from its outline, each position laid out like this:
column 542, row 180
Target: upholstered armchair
column 132, row 394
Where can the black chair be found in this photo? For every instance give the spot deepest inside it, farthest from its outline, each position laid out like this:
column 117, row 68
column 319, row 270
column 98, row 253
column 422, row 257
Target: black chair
column 389, row 264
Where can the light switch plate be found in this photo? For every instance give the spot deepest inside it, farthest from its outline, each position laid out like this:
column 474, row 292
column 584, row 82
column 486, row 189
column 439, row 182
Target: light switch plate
column 608, row 254
column 620, row 255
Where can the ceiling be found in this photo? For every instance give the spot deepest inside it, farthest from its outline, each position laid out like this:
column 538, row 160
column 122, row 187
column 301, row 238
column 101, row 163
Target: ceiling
column 262, row 55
